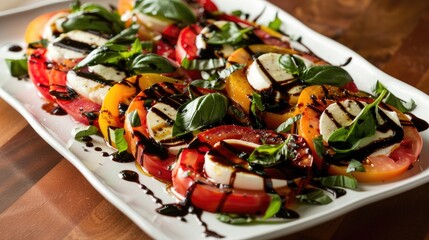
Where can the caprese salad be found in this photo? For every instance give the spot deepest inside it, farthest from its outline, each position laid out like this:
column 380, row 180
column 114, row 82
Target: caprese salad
column 240, row 118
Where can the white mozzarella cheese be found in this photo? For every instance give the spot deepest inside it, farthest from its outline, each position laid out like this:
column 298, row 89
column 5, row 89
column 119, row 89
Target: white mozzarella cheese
column 327, row 124
column 108, row 73
column 221, row 173
column 153, row 23
column 59, row 54
column 53, row 25
column 267, row 67
column 90, row 89
column 160, row 129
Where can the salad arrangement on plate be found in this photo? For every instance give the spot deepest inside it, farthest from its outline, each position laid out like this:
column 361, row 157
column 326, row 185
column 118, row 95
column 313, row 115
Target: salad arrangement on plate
column 240, row 118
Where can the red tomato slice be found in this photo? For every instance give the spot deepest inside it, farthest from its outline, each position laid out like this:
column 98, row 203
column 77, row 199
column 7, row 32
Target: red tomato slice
column 186, row 43
column 39, row 72
column 79, row 108
column 151, row 155
column 190, row 182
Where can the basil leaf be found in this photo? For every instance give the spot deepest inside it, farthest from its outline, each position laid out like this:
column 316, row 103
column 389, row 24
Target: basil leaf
column 292, row 64
column 355, row 166
column 339, row 181
column 42, row 43
column 394, row 101
column 151, row 63
column 126, row 37
column 347, row 139
column 18, row 67
column 256, row 108
column 81, row 132
column 276, row 23
column 235, row 219
column 315, row 197
column 167, row 9
column 215, row 84
column 318, row 145
column 226, row 72
column 110, row 54
column 93, row 17
column 274, row 207
column 229, row 33
column 200, row 112
column 120, row 142
column 203, row 64
column 216, row 81
column 288, row 124
column 269, row 155
column 134, row 119
column 329, row 75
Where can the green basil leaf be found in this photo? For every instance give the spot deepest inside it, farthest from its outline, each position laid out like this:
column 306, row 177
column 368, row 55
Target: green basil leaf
column 315, row 197
column 276, row 23
column 111, row 54
column 86, row 131
column 256, row 108
column 203, row 64
column 329, row 75
column 235, row 219
column 229, row 33
column 318, row 145
column 292, row 64
column 121, row 143
column 126, row 37
column 18, row 67
column 339, row 181
column 288, row 124
column 174, row 10
column 42, row 43
column 226, row 72
column 347, row 139
column 269, row 155
column 215, row 84
column 93, row 17
column 394, row 101
column 151, row 63
column 134, row 119
column 200, row 112
column 274, row 207
column 355, row 166
column 237, row 13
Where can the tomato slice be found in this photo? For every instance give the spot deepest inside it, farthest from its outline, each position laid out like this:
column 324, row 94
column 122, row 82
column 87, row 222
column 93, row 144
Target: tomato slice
column 151, row 155
column 314, row 99
column 186, row 43
column 39, row 72
column 119, row 97
column 78, row 107
column 381, row 167
column 190, row 181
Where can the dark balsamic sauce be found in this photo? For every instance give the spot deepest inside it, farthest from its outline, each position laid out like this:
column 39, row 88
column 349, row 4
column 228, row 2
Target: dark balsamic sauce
column 53, row 109
column 178, row 210
column 419, row 123
column 15, row 48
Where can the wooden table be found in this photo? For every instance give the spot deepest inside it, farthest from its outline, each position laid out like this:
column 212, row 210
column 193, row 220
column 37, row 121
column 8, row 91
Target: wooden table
column 42, row 196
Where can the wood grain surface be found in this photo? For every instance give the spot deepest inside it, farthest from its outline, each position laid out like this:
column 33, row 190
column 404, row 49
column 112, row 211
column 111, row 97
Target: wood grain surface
column 42, row 196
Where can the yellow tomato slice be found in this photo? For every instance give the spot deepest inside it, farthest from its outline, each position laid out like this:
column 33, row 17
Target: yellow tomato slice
column 120, row 96
column 239, row 89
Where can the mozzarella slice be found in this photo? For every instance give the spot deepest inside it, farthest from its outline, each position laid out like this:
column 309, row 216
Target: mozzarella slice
column 53, row 25
column 339, row 113
column 266, row 69
column 61, row 49
column 160, row 120
column 90, row 88
column 225, row 173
